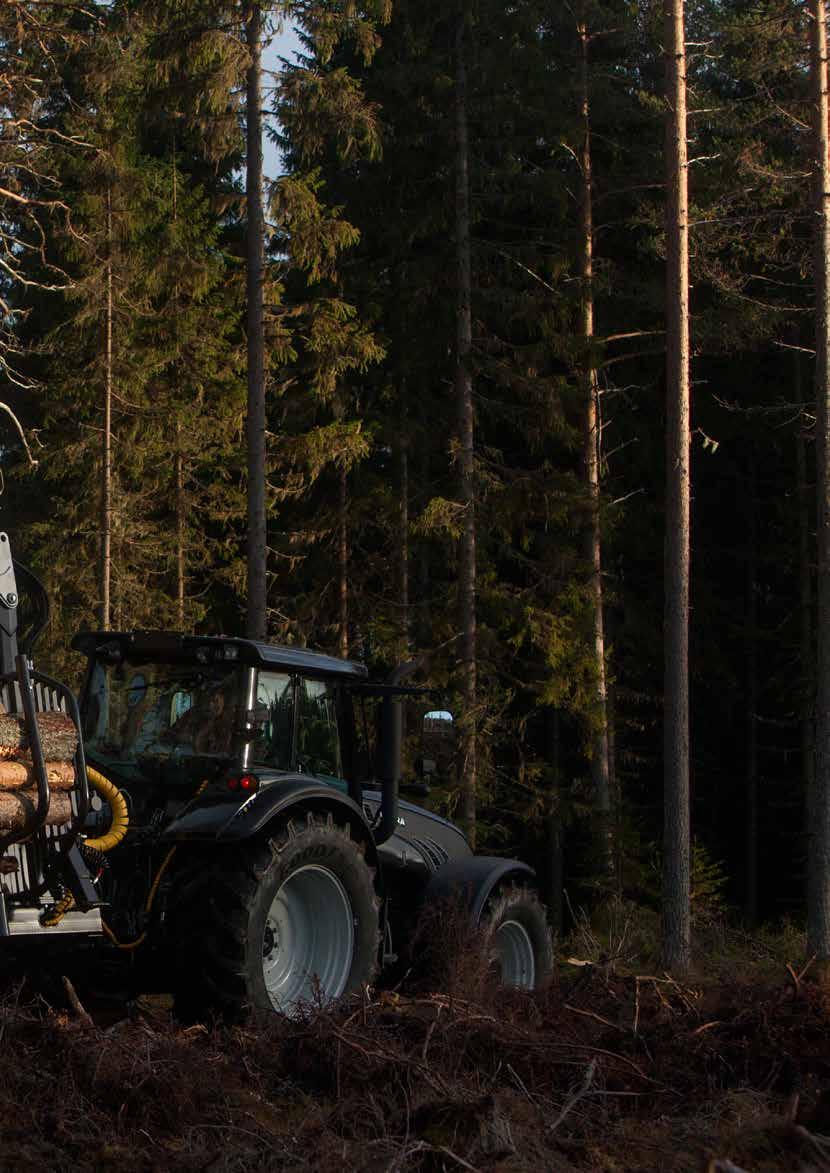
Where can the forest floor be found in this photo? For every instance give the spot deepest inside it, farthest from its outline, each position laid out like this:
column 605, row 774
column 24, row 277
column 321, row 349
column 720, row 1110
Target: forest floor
column 608, row 1069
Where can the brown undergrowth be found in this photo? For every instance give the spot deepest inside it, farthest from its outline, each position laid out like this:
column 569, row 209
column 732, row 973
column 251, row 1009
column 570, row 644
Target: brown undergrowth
column 603, row 1071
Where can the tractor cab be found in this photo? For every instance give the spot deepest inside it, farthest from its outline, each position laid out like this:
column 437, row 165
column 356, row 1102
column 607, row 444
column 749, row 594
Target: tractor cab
column 165, row 710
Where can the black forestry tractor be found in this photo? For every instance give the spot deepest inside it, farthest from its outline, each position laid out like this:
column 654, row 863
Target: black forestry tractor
column 224, row 817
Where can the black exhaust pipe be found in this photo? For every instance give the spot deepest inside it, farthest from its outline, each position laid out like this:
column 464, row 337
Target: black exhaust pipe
column 391, row 739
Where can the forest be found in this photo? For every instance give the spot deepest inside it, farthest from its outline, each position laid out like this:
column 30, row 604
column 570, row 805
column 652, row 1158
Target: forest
column 518, row 369
column 411, row 398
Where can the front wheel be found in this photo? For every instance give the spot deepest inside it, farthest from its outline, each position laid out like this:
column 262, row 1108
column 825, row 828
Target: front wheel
column 281, row 924
column 517, row 939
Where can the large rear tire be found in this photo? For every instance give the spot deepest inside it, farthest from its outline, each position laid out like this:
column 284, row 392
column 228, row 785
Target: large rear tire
column 277, row 925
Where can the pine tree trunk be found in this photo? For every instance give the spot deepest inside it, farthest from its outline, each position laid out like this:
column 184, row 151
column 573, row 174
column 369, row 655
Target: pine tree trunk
column 403, row 548
column 676, row 845
column 818, row 858
column 614, row 780
column 257, row 525
column 600, row 770
column 106, row 456
column 555, row 830
column 178, row 467
column 466, row 435
column 751, row 656
column 180, row 528
column 805, row 576
column 343, row 562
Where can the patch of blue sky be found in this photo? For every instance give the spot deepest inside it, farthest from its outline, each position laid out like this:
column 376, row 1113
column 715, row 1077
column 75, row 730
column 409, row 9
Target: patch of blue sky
column 284, row 44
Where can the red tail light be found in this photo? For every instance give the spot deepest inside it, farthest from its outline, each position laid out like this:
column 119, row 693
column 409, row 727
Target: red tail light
column 245, row 783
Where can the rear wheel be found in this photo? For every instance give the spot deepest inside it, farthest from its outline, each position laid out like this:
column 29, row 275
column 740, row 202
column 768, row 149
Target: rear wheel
column 279, row 924
column 518, row 939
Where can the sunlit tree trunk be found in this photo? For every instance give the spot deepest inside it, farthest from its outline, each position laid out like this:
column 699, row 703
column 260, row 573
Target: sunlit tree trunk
column 600, row 769
column 818, row 862
column 676, row 845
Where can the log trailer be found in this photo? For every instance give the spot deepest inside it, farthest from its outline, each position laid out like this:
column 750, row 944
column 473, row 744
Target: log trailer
column 224, row 815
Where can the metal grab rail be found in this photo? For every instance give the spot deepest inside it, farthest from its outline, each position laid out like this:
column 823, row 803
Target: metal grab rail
column 27, row 696
column 38, row 821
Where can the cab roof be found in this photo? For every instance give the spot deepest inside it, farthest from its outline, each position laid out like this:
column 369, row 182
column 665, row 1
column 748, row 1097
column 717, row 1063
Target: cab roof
column 177, row 648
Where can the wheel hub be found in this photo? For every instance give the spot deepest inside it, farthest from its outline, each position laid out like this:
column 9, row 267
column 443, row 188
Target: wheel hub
column 514, row 954
column 308, row 941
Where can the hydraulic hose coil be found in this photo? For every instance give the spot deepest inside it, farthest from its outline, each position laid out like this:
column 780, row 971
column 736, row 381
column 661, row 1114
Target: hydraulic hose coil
column 118, row 805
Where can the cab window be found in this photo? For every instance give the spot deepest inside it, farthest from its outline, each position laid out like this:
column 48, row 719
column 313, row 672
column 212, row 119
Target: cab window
column 318, row 749
column 275, row 718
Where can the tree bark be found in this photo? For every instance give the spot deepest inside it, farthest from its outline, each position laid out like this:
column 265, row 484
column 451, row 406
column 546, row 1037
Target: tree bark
column 555, row 829
column 180, row 529
column 676, row 837
column 818, row 855
column 106, row 455
column 343, row 563
column 178, row 466
column 751, row 656
column 403, row 548
column 466, row 435
column 600, row 769
column 805, row 576
column 255, row 430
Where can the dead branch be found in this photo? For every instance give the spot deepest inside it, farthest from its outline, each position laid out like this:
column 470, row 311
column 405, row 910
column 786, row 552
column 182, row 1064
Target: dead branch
column 591, row 1014
column 77, row 1005
column 578, row 1095
column 5, row 407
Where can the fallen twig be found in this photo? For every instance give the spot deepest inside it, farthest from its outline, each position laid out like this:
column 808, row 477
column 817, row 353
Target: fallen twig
column 591, row 1014
column 579, row 1094
column 699, row 1030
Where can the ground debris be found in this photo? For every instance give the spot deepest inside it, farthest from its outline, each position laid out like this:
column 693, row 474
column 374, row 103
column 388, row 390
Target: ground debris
column 600, row 1072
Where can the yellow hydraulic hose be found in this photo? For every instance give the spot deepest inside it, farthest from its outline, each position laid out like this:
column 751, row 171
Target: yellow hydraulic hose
column 117, row 830
column 118, row 805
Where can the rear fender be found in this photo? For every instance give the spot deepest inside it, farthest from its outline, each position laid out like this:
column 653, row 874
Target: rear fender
column 474, row 880
column 222, row 823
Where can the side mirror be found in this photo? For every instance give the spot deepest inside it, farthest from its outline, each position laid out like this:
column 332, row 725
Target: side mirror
column 438, row 721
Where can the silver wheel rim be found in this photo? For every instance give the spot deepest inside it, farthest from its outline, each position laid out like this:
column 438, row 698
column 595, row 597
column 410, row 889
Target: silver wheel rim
column 308, row 941
column 514, row 951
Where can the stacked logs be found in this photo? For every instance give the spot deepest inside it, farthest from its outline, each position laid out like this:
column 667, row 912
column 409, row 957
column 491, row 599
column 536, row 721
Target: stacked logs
column 18, row 784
